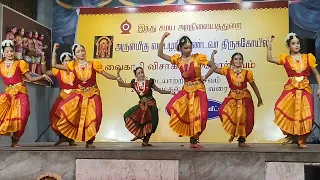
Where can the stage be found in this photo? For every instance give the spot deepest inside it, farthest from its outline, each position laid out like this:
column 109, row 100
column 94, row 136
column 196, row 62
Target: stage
column 162, row 161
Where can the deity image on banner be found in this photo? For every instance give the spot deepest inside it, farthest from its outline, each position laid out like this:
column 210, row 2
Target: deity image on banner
column 103, row 47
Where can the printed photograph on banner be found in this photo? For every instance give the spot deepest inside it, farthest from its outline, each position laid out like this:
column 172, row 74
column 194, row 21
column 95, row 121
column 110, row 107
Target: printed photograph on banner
column 31, row 40
column 103, row 47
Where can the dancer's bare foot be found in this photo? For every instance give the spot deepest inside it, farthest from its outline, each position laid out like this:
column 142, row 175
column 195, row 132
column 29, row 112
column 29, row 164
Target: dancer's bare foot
column 90, row 146
column 72, row 143
column 243, row 145
column 302, row 146
column 135, row 138
column 197, row 146
column 14, row 142
column 287, row 140
column 231, row 139
column 15, row 145
column 144, row 144
column 61, row 140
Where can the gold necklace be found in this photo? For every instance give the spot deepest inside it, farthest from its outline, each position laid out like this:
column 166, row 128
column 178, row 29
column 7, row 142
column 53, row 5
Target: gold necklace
column 296, row 61
column 85, row 69
column 8, row 70
column 238, row 75
column 71, row 78
column 185, row 72
column 238, row 79
column 141, row 85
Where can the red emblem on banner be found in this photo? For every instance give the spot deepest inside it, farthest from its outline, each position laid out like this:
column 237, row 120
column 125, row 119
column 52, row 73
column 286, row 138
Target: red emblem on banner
column 125, row 27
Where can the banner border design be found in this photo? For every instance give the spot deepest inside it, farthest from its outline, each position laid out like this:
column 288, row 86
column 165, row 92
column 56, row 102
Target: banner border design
column 186, row 8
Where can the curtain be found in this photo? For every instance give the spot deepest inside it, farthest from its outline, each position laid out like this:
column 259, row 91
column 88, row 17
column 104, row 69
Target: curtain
column 305, row 21
column 306, row 15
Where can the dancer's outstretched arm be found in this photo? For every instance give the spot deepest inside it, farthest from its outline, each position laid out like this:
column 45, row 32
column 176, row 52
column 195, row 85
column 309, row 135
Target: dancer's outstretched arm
column 160, row 50
column 269, row 51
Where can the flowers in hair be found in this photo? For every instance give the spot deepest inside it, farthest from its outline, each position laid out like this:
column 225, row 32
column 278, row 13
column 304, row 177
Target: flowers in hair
column 74, row 50
column 6, row 43
column 289, row 35
column 74, row 46
column 136, row 66
column 64, row 54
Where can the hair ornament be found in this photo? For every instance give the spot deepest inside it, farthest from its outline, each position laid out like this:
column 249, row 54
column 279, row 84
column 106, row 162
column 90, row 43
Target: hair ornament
column 6, row 43
column 289, row 35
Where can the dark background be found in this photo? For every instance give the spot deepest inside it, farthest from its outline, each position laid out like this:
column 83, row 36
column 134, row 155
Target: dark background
column 308, row 46
column 26, row 7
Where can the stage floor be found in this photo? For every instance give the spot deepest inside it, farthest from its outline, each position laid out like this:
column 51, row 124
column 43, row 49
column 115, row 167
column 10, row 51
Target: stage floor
column 136, row 146
column 215, row 162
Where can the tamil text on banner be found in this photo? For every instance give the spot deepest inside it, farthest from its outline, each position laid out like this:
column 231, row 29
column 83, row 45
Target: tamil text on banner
column 123, row 37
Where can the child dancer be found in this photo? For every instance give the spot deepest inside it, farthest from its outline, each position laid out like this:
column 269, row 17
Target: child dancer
column 294, row 110
column 67, row 86
column 142, row 119
column 14, row 102
column 82, row 111
column 237, row 110
column 188, row 109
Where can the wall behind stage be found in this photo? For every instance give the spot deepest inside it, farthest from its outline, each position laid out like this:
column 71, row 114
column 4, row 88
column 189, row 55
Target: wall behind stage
column 228, row 28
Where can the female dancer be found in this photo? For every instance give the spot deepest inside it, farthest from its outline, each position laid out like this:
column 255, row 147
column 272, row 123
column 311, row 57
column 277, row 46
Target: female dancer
column 40, row 45
column 294, row 111
column 67, row 86
column 142, row 119
column 19, row 40
column 237, row 111
column 189, row 107
column 29, row 46
column 38, row 52
column 14, row 102
column 82, row 111
column 11, row 33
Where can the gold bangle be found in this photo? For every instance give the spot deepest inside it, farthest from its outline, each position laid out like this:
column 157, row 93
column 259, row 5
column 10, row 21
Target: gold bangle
column 43, row 62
